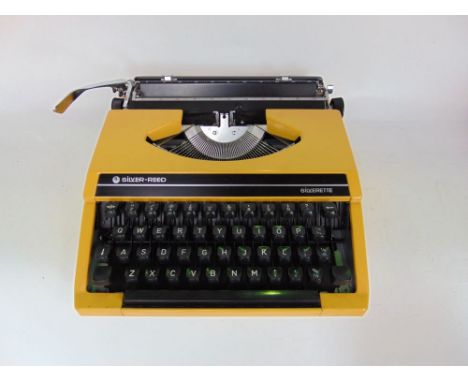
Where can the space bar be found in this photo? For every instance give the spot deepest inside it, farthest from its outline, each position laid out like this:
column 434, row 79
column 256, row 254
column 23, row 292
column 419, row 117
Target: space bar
column 221, row 299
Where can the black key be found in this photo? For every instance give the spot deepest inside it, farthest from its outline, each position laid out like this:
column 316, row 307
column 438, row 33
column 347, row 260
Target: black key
column 183, row 254
column 219, row 232
column 193, row 275
column 220, row 299
column 105, row 222
column 259, row 232
column 151, row 210
column 298, row 233
column 199, row 233
column 268, row 210
column 110, row 209
column 204, row 255
column 305, row 254
column 190, row 210
column 319, row 233
column 102, row 274
column 101, row 253
column 173, row 275
column 170, row 212
column 254, row 275
column 229, row 210
column 212, row 275
column 284, row 254
column 179, row 233
column 324, row 254
column 224, row 254
column 329, row 209
column 243, row 254
column 295, row 275
column 275, row 275
column 279, row 233
column 264, row 254
column 119, row 233
column 210, row 210
column 163, row 254
column 151, row 275
column 315, row 276
column 131, row 275
column 122, row 253
column 338, row 234
column 238, row 233
column 139, row 233
column 131, row 209
column 307, row 210
column 287, row 210
column 248, row 210
column 159, row 233
column 234, row 275
column 341, row 275
column 143, row 253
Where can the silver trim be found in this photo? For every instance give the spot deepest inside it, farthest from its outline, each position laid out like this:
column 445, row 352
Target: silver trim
column 138, row 98
column 167, row 78
column 123, row 87
column 130, row 85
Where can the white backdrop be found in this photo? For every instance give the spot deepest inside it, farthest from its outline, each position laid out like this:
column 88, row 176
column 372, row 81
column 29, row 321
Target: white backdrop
column 404, row 81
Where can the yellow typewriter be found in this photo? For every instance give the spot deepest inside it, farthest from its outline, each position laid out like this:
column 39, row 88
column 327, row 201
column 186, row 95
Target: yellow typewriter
column 221, row 196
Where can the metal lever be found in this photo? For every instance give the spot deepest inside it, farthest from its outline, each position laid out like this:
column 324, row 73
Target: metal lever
column 124, row 87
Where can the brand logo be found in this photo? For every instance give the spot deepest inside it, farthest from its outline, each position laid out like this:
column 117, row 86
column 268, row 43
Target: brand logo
column 138, row 179
column 156, row 179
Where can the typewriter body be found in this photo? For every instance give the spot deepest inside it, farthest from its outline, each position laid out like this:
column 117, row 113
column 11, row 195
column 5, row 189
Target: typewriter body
column 221, row 196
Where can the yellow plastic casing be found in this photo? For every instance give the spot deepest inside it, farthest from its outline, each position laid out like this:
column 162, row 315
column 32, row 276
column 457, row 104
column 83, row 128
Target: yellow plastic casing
column 323, row 149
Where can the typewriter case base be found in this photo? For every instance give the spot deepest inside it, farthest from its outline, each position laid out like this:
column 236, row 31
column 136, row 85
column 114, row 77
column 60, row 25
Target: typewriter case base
column 323, row 148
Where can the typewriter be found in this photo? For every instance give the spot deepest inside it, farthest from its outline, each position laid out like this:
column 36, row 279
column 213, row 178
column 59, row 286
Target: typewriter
column 221, row 196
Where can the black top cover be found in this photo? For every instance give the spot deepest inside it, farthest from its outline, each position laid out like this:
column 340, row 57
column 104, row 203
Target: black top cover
column 248, row 97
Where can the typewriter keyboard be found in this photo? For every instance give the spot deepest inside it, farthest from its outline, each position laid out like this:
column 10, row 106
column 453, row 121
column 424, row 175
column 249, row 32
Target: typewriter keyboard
column 223, row 254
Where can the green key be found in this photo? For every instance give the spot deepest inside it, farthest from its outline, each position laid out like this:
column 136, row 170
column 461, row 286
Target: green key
column 338, row 258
